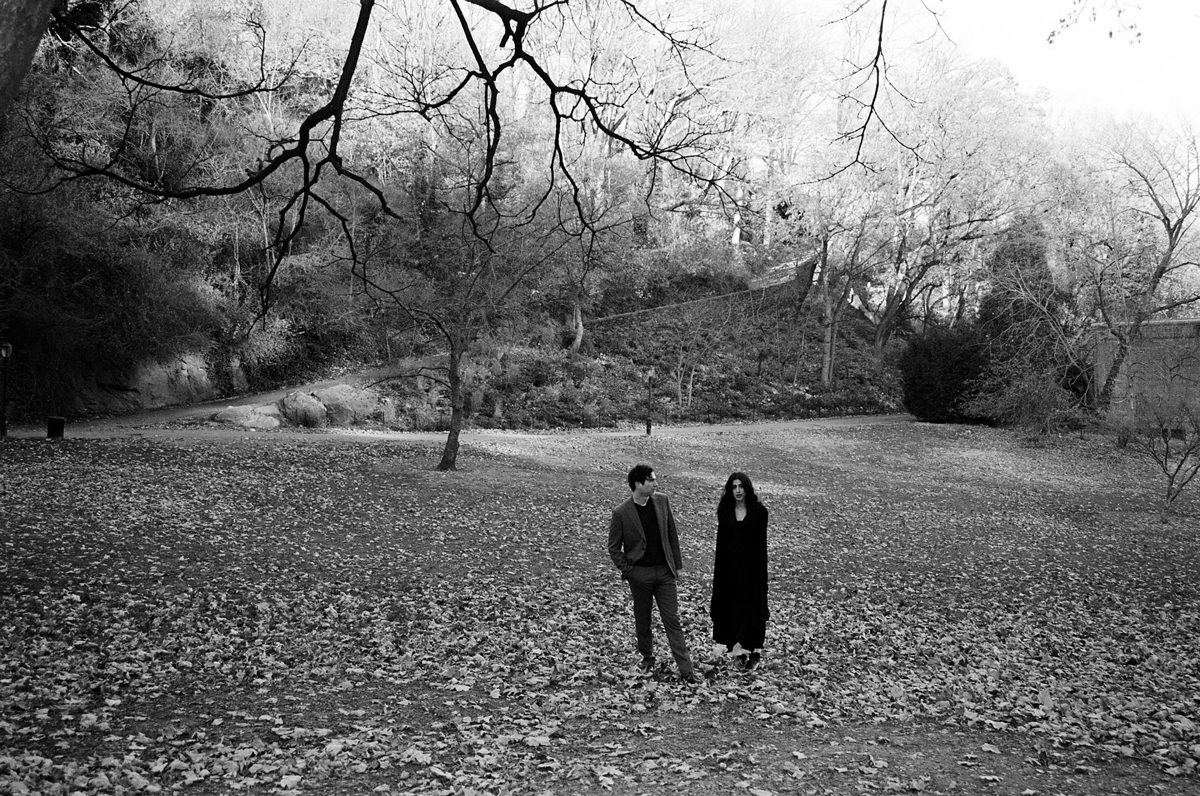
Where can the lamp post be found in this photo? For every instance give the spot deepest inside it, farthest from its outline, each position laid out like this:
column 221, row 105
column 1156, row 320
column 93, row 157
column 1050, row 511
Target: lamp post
column 5, row 353
column 649, row 398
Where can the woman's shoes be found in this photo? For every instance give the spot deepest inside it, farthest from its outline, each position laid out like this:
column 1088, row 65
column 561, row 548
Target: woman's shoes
column 744, row 659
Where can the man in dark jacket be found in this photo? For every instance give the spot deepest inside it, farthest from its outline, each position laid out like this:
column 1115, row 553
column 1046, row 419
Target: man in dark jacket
column 644, row 545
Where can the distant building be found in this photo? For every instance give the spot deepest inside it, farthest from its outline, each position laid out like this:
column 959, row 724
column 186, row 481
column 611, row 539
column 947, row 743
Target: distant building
column 1163, row 365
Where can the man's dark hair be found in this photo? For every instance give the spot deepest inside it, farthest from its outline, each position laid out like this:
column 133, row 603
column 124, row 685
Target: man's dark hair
column 639, row 474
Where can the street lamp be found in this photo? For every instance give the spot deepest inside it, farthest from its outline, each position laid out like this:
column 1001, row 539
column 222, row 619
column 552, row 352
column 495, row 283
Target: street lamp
column 649, row 398
column 5, row 353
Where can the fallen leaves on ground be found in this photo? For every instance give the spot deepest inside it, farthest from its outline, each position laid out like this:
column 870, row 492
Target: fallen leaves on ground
column 281, row 615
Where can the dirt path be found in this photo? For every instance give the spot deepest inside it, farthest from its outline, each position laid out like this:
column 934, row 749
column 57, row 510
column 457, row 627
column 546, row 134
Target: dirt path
column 172, row 423
column 160, row 424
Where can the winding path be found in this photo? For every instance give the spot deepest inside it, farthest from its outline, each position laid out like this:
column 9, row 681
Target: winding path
column 159, row 424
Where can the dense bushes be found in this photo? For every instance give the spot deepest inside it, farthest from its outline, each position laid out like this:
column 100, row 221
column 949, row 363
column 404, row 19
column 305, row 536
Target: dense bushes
column 680, row 273
column 938, row 373
column 1035, row 339
column 540, row 388
column 744, row 357
column 284, row 351
column 748, row 356
column 87, row 302
column 536, row 388
column 756, row 359
column 959, row 375
column 84, row 303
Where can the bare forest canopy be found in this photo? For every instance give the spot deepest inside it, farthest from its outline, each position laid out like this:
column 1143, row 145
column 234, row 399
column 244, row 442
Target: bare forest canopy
column 284, row 187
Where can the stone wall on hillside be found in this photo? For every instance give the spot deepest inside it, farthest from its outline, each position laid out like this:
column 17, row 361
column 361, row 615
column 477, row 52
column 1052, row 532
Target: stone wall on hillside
column 1163, row 365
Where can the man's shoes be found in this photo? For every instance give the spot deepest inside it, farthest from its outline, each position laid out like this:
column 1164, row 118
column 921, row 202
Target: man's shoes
column 646, row 666
column 689, row 679
column 752, row 661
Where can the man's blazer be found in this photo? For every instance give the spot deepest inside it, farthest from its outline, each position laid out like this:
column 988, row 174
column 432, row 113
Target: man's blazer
column 627, row 540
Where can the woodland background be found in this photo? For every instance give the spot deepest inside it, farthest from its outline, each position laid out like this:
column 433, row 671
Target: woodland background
column 483, row 193
column 581, row 214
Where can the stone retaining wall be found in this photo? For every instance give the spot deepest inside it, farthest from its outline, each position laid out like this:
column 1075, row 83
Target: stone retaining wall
column 1162, row 365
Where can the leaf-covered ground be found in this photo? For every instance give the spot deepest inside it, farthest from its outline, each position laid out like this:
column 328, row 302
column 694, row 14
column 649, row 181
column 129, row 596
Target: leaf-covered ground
column 953, row 611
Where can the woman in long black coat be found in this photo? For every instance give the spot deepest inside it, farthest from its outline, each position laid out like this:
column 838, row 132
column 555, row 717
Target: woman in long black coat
column 739, row 598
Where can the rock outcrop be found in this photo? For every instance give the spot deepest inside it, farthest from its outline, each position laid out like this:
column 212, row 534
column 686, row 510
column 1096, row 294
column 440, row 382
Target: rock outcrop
column 340, row 405
column 153, row 385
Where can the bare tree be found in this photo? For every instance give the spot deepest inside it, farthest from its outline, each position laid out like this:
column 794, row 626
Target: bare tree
column 668, row 131
column 1167, row 431
column 840, row 218
column 974, row 157
column 868, row 84
column 647, row 108
column 1132, row 255
column 695, row 332
column 1037, row 343
column 1118, row 16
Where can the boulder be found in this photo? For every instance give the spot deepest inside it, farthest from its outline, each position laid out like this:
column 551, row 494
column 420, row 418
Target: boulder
column 347, row 405
column 339, row 414
column 232, row 415
column 261, row 418
column 303, row 409
column 262, row 422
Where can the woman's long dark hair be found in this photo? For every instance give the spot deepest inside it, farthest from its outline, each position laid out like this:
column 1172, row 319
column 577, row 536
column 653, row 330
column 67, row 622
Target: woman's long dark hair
column 727, row 503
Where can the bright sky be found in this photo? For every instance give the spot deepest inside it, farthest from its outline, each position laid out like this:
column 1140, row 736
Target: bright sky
column 1084, row 67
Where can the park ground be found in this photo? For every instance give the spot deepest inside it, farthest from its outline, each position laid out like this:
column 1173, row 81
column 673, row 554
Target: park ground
column 954, row 611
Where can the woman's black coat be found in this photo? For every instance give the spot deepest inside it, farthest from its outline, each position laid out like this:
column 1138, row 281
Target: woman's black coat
column 739, row 597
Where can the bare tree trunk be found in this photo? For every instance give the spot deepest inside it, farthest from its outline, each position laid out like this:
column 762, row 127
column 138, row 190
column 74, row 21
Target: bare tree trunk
column 236, row 279
column 828, row 321
column 804, row 277
column 454, row 377
column 827, row 349
column 960, row 307
column 576, row 325
column 24, row 23
column 1104, row 399
column 831, row 318
column 887, row 322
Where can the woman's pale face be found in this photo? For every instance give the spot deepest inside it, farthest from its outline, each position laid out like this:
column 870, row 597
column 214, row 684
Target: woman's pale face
column 737, row 490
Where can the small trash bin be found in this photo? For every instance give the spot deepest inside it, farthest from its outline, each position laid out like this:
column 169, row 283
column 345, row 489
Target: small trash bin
column 55, row 426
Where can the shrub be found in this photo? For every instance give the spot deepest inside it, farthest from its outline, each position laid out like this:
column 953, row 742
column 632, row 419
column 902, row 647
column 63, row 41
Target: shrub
column 938, row 372
column 283, row 350
column 84, row 305
column 549, row 389
column 1029, row 400
column 1166, row 430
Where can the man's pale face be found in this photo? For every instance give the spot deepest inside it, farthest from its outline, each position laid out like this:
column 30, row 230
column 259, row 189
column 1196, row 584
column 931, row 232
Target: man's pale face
column 646, row 488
